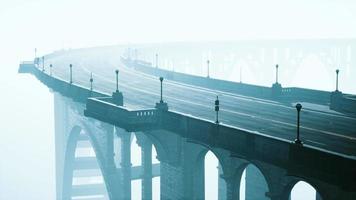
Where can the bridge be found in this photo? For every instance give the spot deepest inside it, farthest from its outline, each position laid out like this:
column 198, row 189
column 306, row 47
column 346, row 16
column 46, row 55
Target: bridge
column 97, row 105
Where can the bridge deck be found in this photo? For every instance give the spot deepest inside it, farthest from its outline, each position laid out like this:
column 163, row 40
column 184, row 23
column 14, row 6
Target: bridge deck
column 324, row 129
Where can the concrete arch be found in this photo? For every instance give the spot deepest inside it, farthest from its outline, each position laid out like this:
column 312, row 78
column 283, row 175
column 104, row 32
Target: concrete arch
column 72, row 141
column 158, row 144
column 106, row 164
column 69, row 161
column 253, row 183
column 197, row 157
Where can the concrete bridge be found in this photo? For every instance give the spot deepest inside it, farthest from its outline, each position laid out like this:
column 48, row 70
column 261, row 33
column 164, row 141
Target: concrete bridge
column 257, row 129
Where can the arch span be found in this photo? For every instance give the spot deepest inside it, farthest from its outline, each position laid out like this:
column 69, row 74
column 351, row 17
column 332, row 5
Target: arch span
column 253, row 183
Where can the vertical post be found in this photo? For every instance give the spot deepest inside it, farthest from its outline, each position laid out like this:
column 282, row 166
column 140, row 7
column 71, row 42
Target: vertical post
column 240, row 74
column 91, row 82
column 70, row 74
column 277, row 73
column 207, row 64
column 126, row 164
column 117, row 80
column 217, row 109
column 156, row 60
column 43, row 63
column 298, row 107
column 161, row 80
column 35, row 53
column 50, row 69
column 146, row 152
column 337, row 79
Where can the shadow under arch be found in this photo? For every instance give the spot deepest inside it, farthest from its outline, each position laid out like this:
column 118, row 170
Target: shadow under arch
column 253, row 182
column 287, row 192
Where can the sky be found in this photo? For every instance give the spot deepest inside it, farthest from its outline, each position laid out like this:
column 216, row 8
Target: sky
column 26, row 121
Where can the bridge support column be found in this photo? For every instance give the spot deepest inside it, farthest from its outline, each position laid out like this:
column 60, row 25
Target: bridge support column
column 232, row 189
column 126, row 164
column 146, row 156
column 112, row 177
column 222, row 192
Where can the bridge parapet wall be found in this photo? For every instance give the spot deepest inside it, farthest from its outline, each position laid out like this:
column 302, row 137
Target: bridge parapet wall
column 290, row 94
column 131, row 120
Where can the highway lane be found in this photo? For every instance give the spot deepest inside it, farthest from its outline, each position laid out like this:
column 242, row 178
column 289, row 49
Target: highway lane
column 325, row 130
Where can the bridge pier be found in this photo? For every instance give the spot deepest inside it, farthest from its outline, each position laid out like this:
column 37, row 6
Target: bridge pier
column 125, row 163
column 146, row 157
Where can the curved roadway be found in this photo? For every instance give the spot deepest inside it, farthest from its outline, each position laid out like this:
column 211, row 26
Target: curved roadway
column 323, row 129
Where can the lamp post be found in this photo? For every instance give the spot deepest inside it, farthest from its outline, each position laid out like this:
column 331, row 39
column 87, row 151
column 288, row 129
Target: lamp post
column 91, row 82
column 50, row 69
column 277, row 73
column 217, row 109
column 240, row 74
column 207, row 65
column 70, row 74
column 161, row 80
column 299, row 108
column 117, row 80
column 156, row 60
column 337, row 79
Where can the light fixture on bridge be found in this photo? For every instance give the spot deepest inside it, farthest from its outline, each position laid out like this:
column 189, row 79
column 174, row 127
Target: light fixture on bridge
column 156, row 60
column 117, row 80
column 208, row 70
column 277, row 73
column 50, row 69
column 161, row 80
column 161, row 105
column 117, row 96
column 299, row 108
column 217, row 109
column 70, row 74
column 91, row 82
column 276, row 87
column 337, row 80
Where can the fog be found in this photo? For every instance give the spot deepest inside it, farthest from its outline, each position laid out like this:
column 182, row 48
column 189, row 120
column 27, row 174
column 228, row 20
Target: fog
column 27, row 168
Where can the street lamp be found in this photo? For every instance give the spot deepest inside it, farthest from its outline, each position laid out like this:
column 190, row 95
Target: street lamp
column 156, row 60
column 277, row 73
column 91, row 82
column 207, row 65
column 70, row 74
column 161, row 80
column 337, row 80
column 117, row 80
column 217, row 109
column 299, row 108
